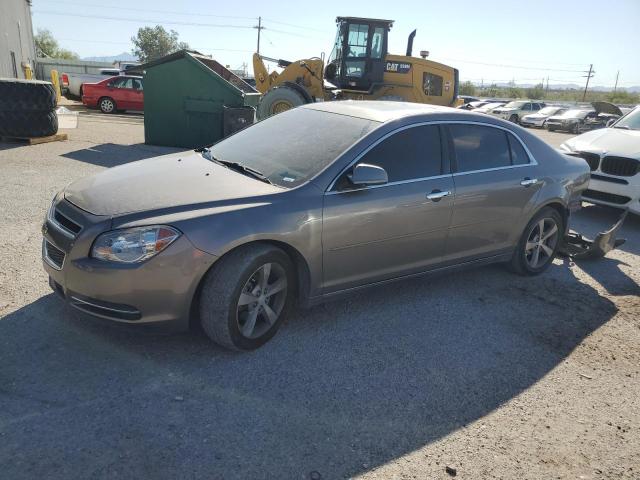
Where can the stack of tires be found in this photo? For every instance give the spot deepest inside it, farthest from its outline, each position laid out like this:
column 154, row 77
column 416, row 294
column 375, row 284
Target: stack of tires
column 27, row 108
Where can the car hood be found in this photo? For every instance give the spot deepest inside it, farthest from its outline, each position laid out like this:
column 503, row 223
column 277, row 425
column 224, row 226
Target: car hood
column 161, row 182
column 535, row 115
column 616, row 141
column 606, row 107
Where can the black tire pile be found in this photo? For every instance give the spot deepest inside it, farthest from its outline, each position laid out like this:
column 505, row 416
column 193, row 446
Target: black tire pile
column 27, row 108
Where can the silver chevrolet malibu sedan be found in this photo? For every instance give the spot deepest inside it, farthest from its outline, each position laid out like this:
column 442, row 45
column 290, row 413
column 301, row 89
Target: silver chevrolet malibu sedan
column 312, row 203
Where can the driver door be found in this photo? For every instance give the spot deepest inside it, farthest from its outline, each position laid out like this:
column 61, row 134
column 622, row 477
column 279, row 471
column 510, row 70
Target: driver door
column 384, row 231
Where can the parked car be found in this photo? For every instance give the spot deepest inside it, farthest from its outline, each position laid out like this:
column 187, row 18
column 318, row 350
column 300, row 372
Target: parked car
column 115, row 94
column 473, row 105
column 606, row 113
column 240, row 231
column 540, row 118
column 571, row 120
column 613, row 155
column 514, row 111
column 71, row 83
column 468, row 98
column 488, row 107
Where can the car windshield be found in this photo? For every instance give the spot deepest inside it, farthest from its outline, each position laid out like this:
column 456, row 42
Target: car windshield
column 548, row 110
column 575, row 113
column 514, row 104
column 292, row 147
column 631, row 121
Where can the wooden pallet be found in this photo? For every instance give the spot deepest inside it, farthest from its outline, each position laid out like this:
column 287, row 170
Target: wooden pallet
column 58, row 137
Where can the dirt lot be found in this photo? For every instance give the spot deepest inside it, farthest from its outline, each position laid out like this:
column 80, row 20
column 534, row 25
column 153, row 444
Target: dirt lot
column 488, row 373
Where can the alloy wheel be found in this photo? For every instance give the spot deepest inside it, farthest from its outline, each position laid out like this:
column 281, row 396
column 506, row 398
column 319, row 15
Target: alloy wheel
column 106, row 105
column 541, row 243
column 261, row 300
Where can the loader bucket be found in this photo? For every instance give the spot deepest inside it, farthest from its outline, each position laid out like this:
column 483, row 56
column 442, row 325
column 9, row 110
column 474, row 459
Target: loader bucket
column 578, row 247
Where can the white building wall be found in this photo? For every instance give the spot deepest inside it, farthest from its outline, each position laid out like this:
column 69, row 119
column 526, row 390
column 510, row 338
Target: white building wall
column 17, row 46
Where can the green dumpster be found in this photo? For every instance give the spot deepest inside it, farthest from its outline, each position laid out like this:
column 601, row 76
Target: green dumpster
column 188, row 98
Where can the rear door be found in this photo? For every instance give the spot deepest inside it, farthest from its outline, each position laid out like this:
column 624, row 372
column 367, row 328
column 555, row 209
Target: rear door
column 496, row 182
column 384, row 231
column 137, row 102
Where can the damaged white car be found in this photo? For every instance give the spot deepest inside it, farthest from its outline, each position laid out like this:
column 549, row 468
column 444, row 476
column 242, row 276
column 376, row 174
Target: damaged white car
column 613, row 154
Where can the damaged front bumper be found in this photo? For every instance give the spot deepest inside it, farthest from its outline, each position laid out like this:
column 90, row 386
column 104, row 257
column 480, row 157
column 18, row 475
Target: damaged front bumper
column 577, row 247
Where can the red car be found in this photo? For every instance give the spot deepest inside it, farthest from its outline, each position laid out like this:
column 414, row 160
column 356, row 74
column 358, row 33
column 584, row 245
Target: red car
column 114, row 94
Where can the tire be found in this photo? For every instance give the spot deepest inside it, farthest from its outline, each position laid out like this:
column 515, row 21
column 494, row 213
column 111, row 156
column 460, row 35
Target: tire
column 524, row 260
column 551, row 129
column 278, row 100
column 233, row 280
column 22, row 124
column 514, row 119
column 107, row 105
column 576, row 129
column 26, row 96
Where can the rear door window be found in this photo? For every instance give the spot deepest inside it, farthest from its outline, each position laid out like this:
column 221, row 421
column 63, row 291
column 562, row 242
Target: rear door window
column 479, row 147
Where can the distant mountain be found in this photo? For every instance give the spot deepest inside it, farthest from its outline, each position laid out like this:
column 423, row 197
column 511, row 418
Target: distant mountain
column 123, row 57
column 567, row 86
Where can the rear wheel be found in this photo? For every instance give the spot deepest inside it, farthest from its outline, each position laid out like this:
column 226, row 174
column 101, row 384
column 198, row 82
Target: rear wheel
column 278, row 100
column 107, row 105
column 539, row 243
column 246, row 296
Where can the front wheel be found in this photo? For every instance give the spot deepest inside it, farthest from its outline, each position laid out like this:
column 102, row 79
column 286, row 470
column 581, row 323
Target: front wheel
column 539, row 243
column 246, row 296
column 513, row 118
column 278, row 100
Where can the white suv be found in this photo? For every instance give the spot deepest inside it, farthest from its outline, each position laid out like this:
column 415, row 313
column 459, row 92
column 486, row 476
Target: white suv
column 514, row 111
column 614, row 157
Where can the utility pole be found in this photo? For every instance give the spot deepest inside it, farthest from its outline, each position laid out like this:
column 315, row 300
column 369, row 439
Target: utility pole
column 616, row 86
column 259, row 27
column 588, row 76
column 547, row 91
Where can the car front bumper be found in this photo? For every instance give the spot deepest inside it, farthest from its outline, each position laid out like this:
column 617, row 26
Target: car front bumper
column 528, row 122
column 614, row 194
column 160, row 289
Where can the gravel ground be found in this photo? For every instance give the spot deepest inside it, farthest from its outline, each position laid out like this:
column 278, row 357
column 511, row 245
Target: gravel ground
column 484, row 372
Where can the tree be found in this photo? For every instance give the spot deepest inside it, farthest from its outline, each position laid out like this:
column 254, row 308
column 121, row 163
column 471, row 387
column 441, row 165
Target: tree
column 47, row 46
column 467, row 88
column 536, row 93
column 154, row 42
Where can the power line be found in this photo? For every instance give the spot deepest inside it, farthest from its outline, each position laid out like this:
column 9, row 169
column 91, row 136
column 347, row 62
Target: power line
column 522, row 67
column 142, row 20
column 146, row 10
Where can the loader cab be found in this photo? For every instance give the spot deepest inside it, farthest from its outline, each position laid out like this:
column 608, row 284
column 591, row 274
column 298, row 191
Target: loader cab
column 358, row 56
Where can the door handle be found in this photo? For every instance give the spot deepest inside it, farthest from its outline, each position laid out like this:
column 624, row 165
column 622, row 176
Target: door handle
column 437, row 195
column 527, row 182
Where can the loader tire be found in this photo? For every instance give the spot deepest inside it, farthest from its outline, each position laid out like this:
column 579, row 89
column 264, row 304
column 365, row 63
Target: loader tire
column 278, row 100
column 20, row 124
column 26, row 96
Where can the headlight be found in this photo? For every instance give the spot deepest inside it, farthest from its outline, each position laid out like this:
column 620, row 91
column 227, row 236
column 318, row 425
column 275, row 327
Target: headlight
column 133, row 245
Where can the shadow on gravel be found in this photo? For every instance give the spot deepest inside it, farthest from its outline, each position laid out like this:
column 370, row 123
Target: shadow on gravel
column 112, row 154
column 343, row 387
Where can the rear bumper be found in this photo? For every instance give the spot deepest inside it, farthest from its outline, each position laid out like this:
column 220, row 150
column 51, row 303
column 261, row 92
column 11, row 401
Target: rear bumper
column 89, row 101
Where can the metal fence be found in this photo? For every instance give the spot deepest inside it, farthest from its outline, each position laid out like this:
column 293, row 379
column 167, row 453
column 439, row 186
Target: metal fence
column 45, row 65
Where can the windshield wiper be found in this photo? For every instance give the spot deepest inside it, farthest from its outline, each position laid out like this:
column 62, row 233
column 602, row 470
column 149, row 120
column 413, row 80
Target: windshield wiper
column 624, row 127
column 238, row 167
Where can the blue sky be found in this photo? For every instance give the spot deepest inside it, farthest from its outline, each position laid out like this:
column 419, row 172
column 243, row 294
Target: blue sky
column 492, row 40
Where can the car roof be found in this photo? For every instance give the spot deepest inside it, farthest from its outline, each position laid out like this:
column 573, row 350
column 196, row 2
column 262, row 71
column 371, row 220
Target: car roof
column 378, row 111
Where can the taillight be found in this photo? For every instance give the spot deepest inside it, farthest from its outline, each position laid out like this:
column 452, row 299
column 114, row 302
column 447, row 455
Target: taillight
column 65, row 79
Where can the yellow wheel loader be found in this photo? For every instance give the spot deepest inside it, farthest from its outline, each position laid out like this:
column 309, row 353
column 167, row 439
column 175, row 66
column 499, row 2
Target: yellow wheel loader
column 359, row 68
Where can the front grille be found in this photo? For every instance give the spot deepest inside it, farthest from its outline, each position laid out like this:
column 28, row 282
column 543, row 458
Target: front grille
column 606, row 197
column 593, row 159
column 54, row 254
column 66, row 223
column 620, row 166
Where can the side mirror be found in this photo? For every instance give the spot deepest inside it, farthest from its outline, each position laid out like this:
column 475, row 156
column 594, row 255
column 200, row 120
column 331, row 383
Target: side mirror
column 365, row 174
